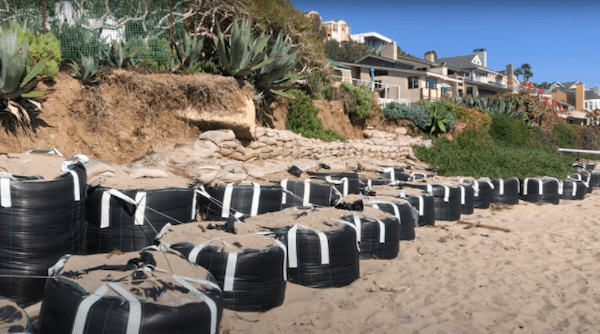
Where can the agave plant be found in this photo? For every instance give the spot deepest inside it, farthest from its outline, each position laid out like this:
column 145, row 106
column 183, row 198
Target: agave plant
column 16, row 85
column 240, row 53
column 119, row 55
column 441, row 118
column 86, row 70
column 273, row 77
column 188, row 51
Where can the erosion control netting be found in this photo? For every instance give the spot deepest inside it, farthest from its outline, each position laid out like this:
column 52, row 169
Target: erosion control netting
column 402, row 211
column 252, row 279
column 307, row 192
column 540, row 190
column 129, row 220
column 322, row 249
column 482, row 192
column 378, row 238
column 424, row 204
column 230, row 201
column 345, row 183
column 144, row 292
column 40, row 221
column 13, row 319
column 506, row 191
column 447, row 200
column 572, row 189
column 585, row 177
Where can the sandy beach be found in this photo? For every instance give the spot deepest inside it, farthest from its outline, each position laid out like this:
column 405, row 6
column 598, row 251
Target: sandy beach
column 541, row 277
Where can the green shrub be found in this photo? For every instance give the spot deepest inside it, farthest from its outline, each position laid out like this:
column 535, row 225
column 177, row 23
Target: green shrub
column 442, row 119
column 509, row 131
column 156, row 53
column 418, row 114
column 303, row 119
column 362, row 105
column 75, row 41
column 473, row 118
column 566, row 135
column 41, row 46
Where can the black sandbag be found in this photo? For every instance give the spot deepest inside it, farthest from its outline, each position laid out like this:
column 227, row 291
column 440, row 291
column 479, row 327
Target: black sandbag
column 394, row 174
column 572, row 189
column 587, row 167
column 345, row 183
column 13, row 319
column 424, row 204
column 305, row 193
column 447, row 200
column 585, row 177
column 309, row 266
column 595, row 180
column 379, row 238
column 403, row 211
column 257, row 280
column 540, row 190
column 130, row 300
column 115, row 223
column 467, row 199
column 39, row 223
column 482, row 192
column 506, row 191
column 249, row 200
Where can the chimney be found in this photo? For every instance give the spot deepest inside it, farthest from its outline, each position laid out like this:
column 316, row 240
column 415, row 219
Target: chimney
column 389, row 51
column 510, row 72
column 482, row 56
column 579, row 96
column 430, row 56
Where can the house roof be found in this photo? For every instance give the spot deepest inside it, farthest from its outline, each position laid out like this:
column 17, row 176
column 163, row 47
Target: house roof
column 462, row 62
column 385, row 62
column 591, row 95
column 568, row 84
column 372, row 34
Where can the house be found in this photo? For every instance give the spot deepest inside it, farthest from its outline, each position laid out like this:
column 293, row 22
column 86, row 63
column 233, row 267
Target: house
column 336, row 31
column 406, row 79
column 479, row 80
column 574, row 94
column 371, row 39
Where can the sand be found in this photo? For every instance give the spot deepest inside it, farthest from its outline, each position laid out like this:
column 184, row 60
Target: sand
column 542, row 277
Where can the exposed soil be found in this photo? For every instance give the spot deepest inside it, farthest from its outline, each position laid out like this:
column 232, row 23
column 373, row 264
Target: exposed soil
column 333, row 117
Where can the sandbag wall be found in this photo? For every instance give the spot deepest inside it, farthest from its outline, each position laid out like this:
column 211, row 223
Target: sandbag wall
column 40, row 221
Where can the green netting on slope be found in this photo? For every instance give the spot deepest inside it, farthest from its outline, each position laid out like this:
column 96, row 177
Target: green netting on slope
column 86, row 27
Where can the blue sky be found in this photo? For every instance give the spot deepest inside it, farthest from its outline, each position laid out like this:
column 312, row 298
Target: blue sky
column 560, row 40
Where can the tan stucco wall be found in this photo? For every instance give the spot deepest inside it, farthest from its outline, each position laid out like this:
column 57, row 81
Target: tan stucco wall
column 579, row 96
column 559, row 96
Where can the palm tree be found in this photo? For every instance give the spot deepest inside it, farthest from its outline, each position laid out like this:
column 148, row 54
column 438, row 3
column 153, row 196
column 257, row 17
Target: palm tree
column 517, row 72
column 526, row 68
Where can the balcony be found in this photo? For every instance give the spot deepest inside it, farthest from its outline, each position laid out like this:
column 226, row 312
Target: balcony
column 430, row 94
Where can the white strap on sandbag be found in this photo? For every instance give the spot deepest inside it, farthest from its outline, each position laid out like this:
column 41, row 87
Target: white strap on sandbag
column 194, row 203
column 230, row 269
column 421, row 206
column 574, row 189
column 518, row 184
column 525, row 187
column 105, row 210
column 540, row 187
column 135, row 308
column 343, row 181
column 392, row 173
column 202, row 191
column 5, row 198
column 285, row 256
column 381, row 231
column 140, row 211
column 196, row 250
column 212, row 306
column 284, row 184
column 292, row 246
column 306, row 195
column 375, row 205
column 84, row 308
column 475, row 186
column 76, row 193
column 227, row 200
column 355, row 229
column 59, row 265
column 501, row 186
column 462, row 195
column 446, row 191
column 357, row 223
column 370, row 184
column 255, row 200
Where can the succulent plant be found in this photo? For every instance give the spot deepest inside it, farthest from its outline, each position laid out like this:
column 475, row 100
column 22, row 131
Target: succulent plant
column 86, row 70
column 240, row 53
column 16, row 85
column 188, row 51
column 119, row 55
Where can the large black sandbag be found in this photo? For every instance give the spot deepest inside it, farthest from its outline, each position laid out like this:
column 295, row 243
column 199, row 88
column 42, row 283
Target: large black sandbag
column 251, row 280
column 506, row 191
column 225, row 202
column 40, row 221
column 403, row 212
column 467, row 199
column 114, row 222
column 307, row 192
column 595, row 180
column 345, row 183
column 379, row 238
column 424, row 204
column 447, row 200
column 585, row 177
column 147, row 293
column 584, row 166
column 321, row 259
column 394, row 174
column 571, row 189
column 482, row 192
column 540, row 190
column 13, row 319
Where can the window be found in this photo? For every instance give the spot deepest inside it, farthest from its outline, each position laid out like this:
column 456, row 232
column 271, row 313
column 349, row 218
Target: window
column 413, row 82
column 380, row 72
column 431, row 83
column 460, row 92
column 469, row 90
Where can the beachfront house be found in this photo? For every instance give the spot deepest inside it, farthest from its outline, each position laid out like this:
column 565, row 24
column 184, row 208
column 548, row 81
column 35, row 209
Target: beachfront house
column 337, row 31
column 479, row 79
column 582, row 106
column 372, row 39
column 405, row 79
